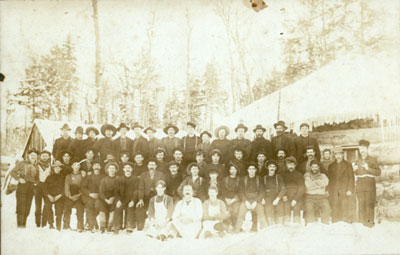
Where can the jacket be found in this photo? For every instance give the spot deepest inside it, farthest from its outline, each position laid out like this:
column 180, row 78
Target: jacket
column 73, row 184
column 341, row 178
column 128, row 188
column 274, row 187
column 24, row 170
column 261, row 144
column 230, row 187
column 91, row 184
column 118, row 146
column 60, row 144
column 283, row 142
column 173, row 183
column 294, row 182
column 147, row 185
column 251, row 189
column 316, row 183
column 225, row 147
column 366, row 178
column 140, row 144
column 300, row 143
column 153, row 144
column 189, row 145
column 103, row 147
column 77, row 147
column 169, row 145
column 109, row 188
column 243, row 143
column 199, row 186
column 54, row 185
column 138, row 170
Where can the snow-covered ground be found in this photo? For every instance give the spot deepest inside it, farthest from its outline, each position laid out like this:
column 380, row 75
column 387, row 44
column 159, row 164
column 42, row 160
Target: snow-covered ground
column 339, row 238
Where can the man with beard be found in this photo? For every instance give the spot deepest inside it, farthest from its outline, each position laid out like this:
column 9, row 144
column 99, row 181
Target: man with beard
column 128, row 197
column 171, row 141
column 44, row 170
column 153, row 142
column 281, row 140
column 341, row 188
column 304, row 140
column 261, row 159
column 147, row 190
column 92, row 134
column 281, row 159
column 305, row 167
column 140, row 143
column 241, row 142
column 123, row 142
column 316, row 198
column 222, row 144
column 124, row 158
column 105, row 145
column 173, row 180
column 238, row 159
column 366, row 168
column 294, row 182
column 177, row 156
column 25, row 172
column 189, row 143
column 62, row 143
column 205, row 144
column 90, row 193
column 260, row 144
column 77, row 146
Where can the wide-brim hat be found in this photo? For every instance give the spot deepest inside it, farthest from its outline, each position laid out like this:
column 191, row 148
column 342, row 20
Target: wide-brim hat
column 263, row 152
column 149, row 128
column 272, row 161
column 136, row 125
column 172, row 163
column 190, row 165
column 205, row 133
column 90, row 148
column 128, row 163
column 95, row 130
column 304, row 125
column 281, row 149
column 259, row 127
column 62, row 153
column 33, row 150
column 227, row 131
column 241, row 125
column 108, row 127
column 337, row 150
column 213, row 151
column 65, row 126
column 363, row 142
column 112, row 163
column 192, row 124
column 45, row 152
column 252, row 163
column 171, row 126
column 280, row 123
column 239, row 148
column 123, row 125
column 160, row 149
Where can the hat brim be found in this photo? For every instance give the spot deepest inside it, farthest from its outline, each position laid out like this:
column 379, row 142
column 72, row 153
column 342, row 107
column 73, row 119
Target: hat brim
column 147, row 129
column 95, row 130
column 171, row 126
column 108, row 127
column 137, row 126
column 222, row 127
column 245, row 129
column 278, row 124
column 263, row 129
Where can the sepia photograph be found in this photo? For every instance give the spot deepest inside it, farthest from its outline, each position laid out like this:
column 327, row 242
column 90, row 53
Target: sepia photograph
column 200, row 127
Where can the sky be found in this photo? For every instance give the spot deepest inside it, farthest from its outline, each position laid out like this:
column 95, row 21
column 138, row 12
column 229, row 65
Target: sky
column 30, row 28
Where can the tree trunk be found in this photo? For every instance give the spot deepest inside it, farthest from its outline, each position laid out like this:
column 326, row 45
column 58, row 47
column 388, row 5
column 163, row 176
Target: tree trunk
column 100, row 115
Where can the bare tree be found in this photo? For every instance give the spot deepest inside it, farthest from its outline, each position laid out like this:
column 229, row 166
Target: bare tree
column 189, row 29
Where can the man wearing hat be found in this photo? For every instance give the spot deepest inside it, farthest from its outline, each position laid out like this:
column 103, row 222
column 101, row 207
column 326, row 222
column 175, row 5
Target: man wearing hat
column 44, row 170
column 304, row 140
column 91, row 139
column 341, row 188
column 205, row 143
column 261, row 158
column 239, row 161
column 366, row 168
column 215, row 156
column 260, row 143
column 147, row 189
column 123, row 142
column 162, row 165
column 139, row 165
column 105, row 145
column 171, row 141
column 62, row 143
column 25, row 172
column 152, row 141
column 86, row 165
column 90, row 193
column 281, row 140
column 189, row 143
column 241, row 142
column 173, row 180
column 281, row 159
column 140, row 143
column 294, row 198
column 77, row 146
column 222, row 143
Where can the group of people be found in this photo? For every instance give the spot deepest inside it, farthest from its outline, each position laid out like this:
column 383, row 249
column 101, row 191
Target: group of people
column 194, row 186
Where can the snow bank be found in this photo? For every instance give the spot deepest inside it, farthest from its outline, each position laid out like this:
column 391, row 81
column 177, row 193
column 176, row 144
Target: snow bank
column 339, row 238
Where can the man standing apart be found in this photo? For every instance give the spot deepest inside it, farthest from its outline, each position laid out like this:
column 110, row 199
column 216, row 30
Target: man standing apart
column 366, row 169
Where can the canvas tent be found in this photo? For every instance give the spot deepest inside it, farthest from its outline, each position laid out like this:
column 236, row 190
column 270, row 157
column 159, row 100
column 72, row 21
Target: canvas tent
column 349, row 88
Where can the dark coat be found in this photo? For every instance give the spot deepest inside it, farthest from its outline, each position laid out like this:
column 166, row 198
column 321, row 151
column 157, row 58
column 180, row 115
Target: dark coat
column 225, row 147
column 295, row 186
column 241, row 164
column 366, row 178
column 153, row 144
column 274, row 187
column 169, row 145
column 261, row 144
column 128, row 188
column 103, row 147
column 109, row 188
column 199, row 187
column 341, row 178
column 251, row 189
column 77, row 147
column 173, row 183
column 189, row 145
column 147, row 185
column 54, row 185
column 89, row 142
column 138, row 170
column 118, row 148
column 244, row 144
column 90, row 184
column 60, row 144
column 230, row 187
column 283, row 142
column 140, row 144
column 87, row 166
column 300, row 143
